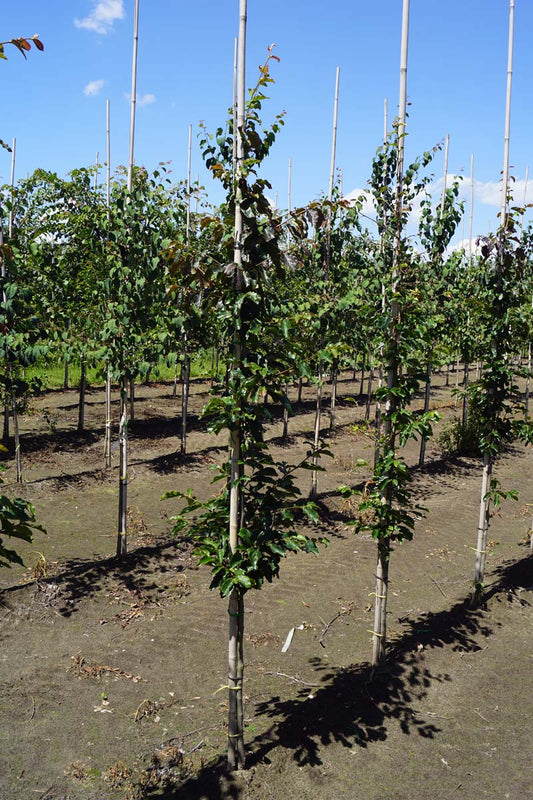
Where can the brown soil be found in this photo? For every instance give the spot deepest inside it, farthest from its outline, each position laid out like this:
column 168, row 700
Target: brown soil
column 112, row 677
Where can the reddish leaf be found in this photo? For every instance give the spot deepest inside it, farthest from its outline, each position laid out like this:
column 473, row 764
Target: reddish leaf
column 37, row 42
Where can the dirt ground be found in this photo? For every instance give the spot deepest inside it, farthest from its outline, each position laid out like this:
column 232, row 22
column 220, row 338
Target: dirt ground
column 112, row 677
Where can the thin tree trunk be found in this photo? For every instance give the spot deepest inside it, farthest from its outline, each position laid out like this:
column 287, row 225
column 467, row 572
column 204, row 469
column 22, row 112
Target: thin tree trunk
column 5, row 435
column 528, row 379
column 382, row 575
column 286, row 416
column 333, row 401
column 482, row 530
column 122, row 547
column 377, row 448
column 369, row 393
column 465, row 398
column 316, row 440
column 300, row 389
column 427, row 396
column 107, row 440
column 65, row 375
column 447, row 374
column 83, row 386
column 185, row 385
column 362, row 384
column 236, row 755
column 18, row 461
column 132, row 399
column 175, row 387
column 380, row 609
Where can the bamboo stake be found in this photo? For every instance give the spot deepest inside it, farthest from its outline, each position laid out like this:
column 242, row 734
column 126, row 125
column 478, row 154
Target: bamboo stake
column 471, row 209
column 236, row 756
column 122, row 547
column 4, row 276
column 488, row 459
column 507, row 134
column 318, row 413
column 382, row 568
column 107, row 437
column 133, row 95
column 445, row 177
column 377, row 446
column 12, row 184
column 188, row 221
column 108, row 159
column 14, row 410
column 235, row 59
column 427, row 393
column 123, row 426
column 186, row 368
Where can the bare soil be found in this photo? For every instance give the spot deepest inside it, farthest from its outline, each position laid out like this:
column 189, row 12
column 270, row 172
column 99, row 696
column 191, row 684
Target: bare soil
column 112, row 676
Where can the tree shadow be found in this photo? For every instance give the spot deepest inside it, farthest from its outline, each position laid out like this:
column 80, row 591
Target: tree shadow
column 80, row 579
column 355, row 705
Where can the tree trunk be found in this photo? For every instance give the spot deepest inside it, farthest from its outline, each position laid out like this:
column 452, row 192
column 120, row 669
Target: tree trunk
column 175, row 387
column 236, row 755
column 318, row 413
column 132, row 399
column 18, row 461
column 379, row 633
column 81, row 403
column 362, row 384
column 5, row 435
column 122, row 548
column 377, row 447
column 185, row 384
column 465, row 398
column 369, row 393
column 482, row 530
column 286, row 416
column 427, row 396
column 526, row 401
column 107, row 439
column 333, row 402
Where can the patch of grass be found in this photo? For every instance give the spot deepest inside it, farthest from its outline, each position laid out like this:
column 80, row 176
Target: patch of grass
column 52, row 373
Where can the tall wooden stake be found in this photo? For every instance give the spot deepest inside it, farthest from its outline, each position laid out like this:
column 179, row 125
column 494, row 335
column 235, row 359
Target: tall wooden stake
column 382, row 567
column 107, row 438
column 186, row 368
column 318, row 413
column 236, row 756
column 488, row 459
column 123, row 425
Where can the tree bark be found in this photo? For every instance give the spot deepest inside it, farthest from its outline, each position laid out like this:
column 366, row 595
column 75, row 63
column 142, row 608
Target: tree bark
column 81, row 403
column 122, row 547
column 482, row 530
column 314, row 474
column 427, row 397
column 107, row 439
column 185, row 385
column 379, row 634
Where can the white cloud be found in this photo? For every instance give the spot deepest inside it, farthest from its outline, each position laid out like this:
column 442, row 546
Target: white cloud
column 368, row 209
column 102, row 17
column 142, row 100
column 146, row 100
column 93, row 88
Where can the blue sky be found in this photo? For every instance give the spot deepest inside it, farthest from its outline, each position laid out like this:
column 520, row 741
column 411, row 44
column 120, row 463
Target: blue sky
column 54, row 103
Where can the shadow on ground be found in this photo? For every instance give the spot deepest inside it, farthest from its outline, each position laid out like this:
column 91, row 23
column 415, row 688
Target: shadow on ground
column 355, row 706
